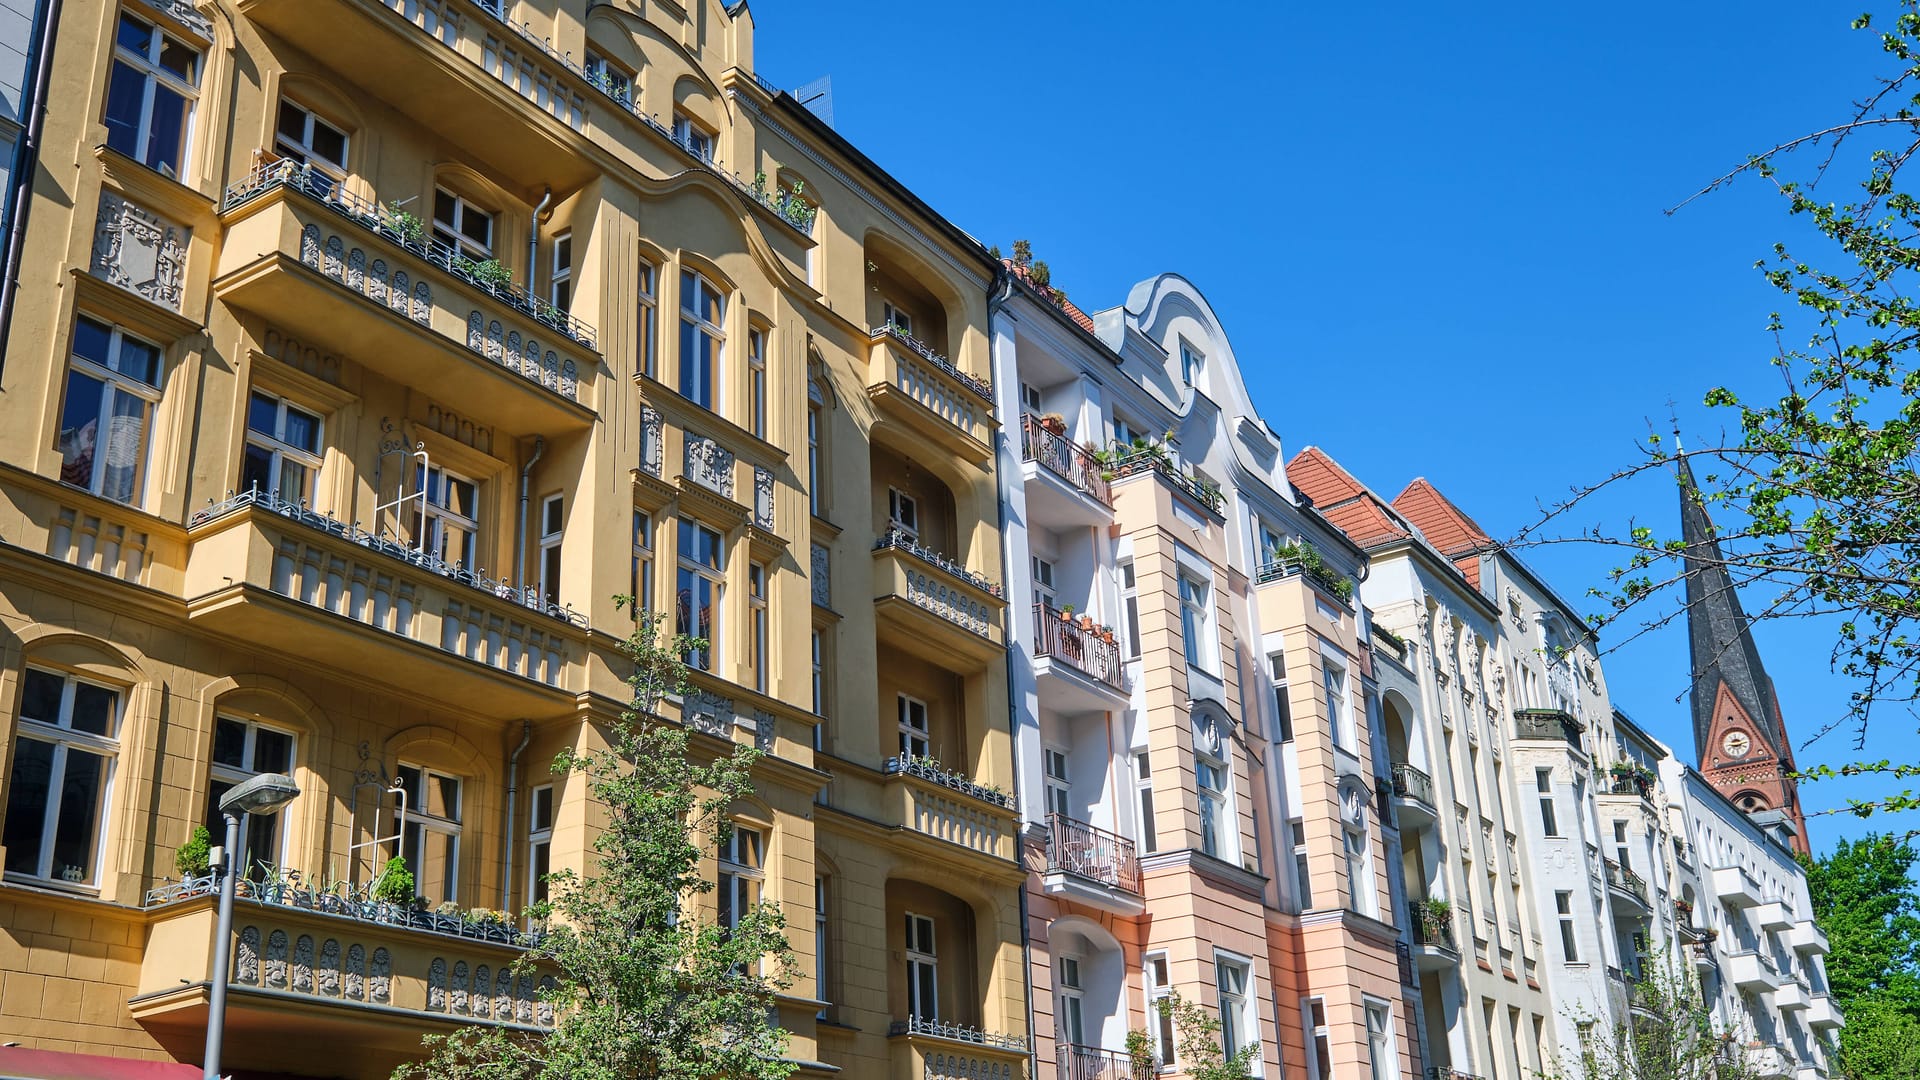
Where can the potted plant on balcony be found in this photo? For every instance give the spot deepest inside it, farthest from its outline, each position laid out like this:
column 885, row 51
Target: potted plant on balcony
column 408, row 227
column 1054, row 423
column 194, row 858
column 393, row 890
column 1066, row 613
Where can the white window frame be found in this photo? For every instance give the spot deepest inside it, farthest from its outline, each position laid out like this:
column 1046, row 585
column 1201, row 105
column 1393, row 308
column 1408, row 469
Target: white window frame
column 435, row 518
column 700, row 379
column 1569, row 929
column 1071, row 998
column 230, row 775
column 1216, row 826
column 920, row 961
column 115, row 384
column 612, row 79
column 1357, row 854
column 814, row 501
column 714, row 575
column 1192, row 364
column 1124, row 433
column 1239, row 1016
column 1383, row 1056
column 896, row 318
column 1130, row 603
column 642, row 568
column 147, row 65
column 1157, row 986
column 60, row 733
column 1549, row 805
column 740, row 875
column 1302, row 864
column 912, row 735
column 280, row 452
column 1030, row 398
column 1043, row 577
column 1059, row 788
column 693, row 137
column 1196, row 623
column 539, row 839
column 1143, row 802
column 553, row 528
column 1313, row 1021
column 1333, row 680
column 420, row 823
column 757, row 381
column 903, row 513
column 1282, row 699
column 757, row 629
column 820, row 938
column 647, row 286
column 453, row 233
column 302, row 149
column 560, row 271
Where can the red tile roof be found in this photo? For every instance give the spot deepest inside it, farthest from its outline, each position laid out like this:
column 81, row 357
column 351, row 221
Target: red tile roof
column 1342, row 500
column 1445, row 526
column 1052, row 295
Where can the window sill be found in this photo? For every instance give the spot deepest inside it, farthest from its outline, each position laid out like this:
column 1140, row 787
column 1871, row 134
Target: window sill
column 49, row 885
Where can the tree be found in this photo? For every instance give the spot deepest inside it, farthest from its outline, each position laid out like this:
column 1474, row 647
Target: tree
column 643, row 988
column 1199, row 1051
column 1668, row 1034
column 1881, row 1042
column 1814, row 492
column 1865, row 898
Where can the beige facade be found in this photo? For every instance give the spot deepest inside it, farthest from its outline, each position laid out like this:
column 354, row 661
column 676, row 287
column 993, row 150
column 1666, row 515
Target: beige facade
column 303, row 468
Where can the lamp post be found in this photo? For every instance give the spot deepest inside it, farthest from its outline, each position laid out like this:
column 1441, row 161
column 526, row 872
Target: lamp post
column 263, row 794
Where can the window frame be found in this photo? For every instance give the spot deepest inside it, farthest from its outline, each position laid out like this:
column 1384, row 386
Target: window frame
column 1313, row 1017
column 112, row 384
column 1059, row 787
column 893, row 316
column 1569, row 930
column 1383, row 1057
column 647, row 286
column 279, row 451
column 641, row 570
column 302, row 149
column 1071, row 998
column 700, row 379
column 1130, row 603
column 612, row 78
column 434, row 517
column 759, row 659
column 147, row 66
column 1156, row 986
column 64, row 739
column 922, row 960
column 1549, row 803
column 740, row 873
column 1196, row 623
column 1143, row 802
column 256, row 825
column 694, row 137
column 560, row 270
column 539, row 841
column 1335, row 683
column 1282, row 693
column 412, row 841
column 757, row 381
column 553, row 531
column 903, row 513
column 691, row 574
column 1243, row 1002
column 453, row 234
column 906, row 705
column 1302, row 864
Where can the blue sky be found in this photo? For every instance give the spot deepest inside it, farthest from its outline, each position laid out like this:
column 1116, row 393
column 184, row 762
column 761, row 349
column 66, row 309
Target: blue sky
column 1434, row 232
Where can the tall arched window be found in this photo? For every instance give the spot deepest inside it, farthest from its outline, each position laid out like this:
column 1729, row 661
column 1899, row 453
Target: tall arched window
column 1361, row 894
column 65, row 748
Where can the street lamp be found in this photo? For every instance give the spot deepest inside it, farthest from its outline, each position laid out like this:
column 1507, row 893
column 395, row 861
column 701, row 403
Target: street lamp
column 263, row 794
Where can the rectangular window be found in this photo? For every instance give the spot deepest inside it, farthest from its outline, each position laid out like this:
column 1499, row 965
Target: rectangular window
column 450, row 523
column 903, row 513
column 1320, row 1051
column 63, row 756
column 741, row 870
column 1238, row 1028
column 462, row 227
column 1282, row 702
column 914, row 738
column 1143, row 792
column 1072, row 1012
column 1190, row 364
column 923, row 969
column 757, row 382
column 693, row 138
column 1043, row 581
column 1124, row 433
column 1195, row 622
column 1549, row 820
column 113, row 385
column 702, row 341
column 553, row 523
column 560, row 276
column 1130, row 601
column 1210, row 776
column 1334, row 678
column 814, row 502
column 701, row 588
column 1380, row 1053
column 757, row 624
column 282, row 454
column 1030, row 398
column 243, row 749
column 1620, row 845
column 611, row 80
column 1569, row 942
column 642, row 583
column 896, row 318
column 1302, row 870
column 1059, row 789
column 820, row 668
column 647, row 323
column 1360, row 893
column 430, row 838
column 151, row 94
column 539, row 841
column 1156, row 980
column 300, row 135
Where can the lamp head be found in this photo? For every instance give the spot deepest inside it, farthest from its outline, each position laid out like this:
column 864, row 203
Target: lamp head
column 263, row 794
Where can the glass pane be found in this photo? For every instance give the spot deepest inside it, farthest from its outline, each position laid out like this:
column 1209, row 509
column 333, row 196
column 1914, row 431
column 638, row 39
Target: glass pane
column 263, row 414
column 126, row 448
column 230, row 743
column 443, row 797
column 92, row 340
column 476, row 226
column 329, row 143
column 126, row 91
column 28, row 795
column 689, row 292
column 93, row 708
column 444, row 208
column 134, row 35
column 79, row 429
column 167, row 132
column 443, row 857
column 40, row 696
column 262, row 844
column 272, row 751
column 293, row 482
column 138, row 360
column 180, row 61
column 256, row 469
column 542, row 863
column 543, row 809
column 302, row 430
column 75, row 833
column 216, row 824
column 293, row 122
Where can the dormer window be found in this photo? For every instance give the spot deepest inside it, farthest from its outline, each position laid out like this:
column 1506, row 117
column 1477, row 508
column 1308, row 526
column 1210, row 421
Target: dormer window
column 1191, row 363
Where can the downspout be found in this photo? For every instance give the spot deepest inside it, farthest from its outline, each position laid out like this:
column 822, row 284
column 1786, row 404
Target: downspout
column 513, row 786
column 520, row 534
column 26, row 157
column 533, row 236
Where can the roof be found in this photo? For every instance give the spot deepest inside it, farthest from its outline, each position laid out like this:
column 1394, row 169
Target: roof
column 1719, row 634
column 1346, row 503
column 1050, row 294
column 1446, row 527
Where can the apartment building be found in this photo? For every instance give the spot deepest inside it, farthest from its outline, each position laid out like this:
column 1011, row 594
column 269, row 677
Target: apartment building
column 377, row 345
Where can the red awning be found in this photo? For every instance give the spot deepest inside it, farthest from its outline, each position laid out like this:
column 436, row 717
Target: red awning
column 19, row 1064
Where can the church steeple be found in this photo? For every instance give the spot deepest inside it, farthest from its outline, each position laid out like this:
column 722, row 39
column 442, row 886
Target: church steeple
column 1738, row 731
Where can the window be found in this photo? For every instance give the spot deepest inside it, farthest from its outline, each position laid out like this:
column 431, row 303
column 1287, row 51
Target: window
column 1543, row 783
column 1340, row 722
column 300, row 135
column 1620, row 846
column 1143, row 793
column 1030, row 398
column 1360, row 887
column 741, row 862
column 646, row 324
column 1071, row 1024
column 1059, row 790
column 430, row 840
column 757, row 624
column 1190, row 364
column 695, row 139
column 819, row 644
column 1282, row 704
column 820, row 943
column 815, row 497
column 553, row 521
column 1266, row 540
column 1210, row 775
column 914, row 742
column 903, row 513
column 896, row 318
column 923, row 971
column 1043, row 581
column 611, row 79
column 642, row 584
column 1321, row 1051
column 450, row 522
column 1159, row 987
column 701, row 589
column 1130, row 599
column 757, row 382
column 560, row 276
column 1195, row 622
column 539, row 841
column 243, row 749
column 435, row 17
column 1238, row 1028
column 1380, row 1052
column 282, row 455
column 1569, row 946
column 1302, row 870
column 63, row 757
column 151, row 95
column 462, row 226
column 1124, row 433
column 702, row 342
column 113, row 383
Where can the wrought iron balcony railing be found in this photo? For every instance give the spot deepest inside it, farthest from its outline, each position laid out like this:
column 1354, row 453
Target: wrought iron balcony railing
column 289, row 888
column 1411, row 783
column 1137, row 460
column 1084, row 650
column 1064, row 458
column 1625, row 880
column 1079, row 1062
column 898, row 541
column 942, row 1029
column 1096, row 854
column 930, row 770
column 1432, row 925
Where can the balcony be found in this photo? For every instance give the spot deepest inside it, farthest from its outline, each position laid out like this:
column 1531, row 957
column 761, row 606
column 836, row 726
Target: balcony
column 1434, row 947
column 1735, row 887
column 1143, row 459
column 1767, row 1062
column 329, row 267
column 1629, row 889
column 326, row 975
column 928, row 397
column 1303, row 560
column 1082, row 658
column 927, row 1048
column 1641, row 787
column 1092, row 866
column 275, row 574
column 1078, row 1062
column 1702, row 955
column 1442, row 1072
column 1821, row 1015
column 1773, row 915
column 1792, row 997
column 1413, row 797
column 1547, row 725
column 1065, row 485
column 1753, row 971
column 945, row 611
column 1807, row 937
column 950, row 807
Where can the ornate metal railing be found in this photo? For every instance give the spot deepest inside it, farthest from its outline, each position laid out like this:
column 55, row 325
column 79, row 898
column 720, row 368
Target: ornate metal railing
column 899, row 541
column 289, row 888
column 930, row 770
column 1300, row 558
column 1432, row 927
column 1078, row 848
column 1064, row 458
column 402, row 231
column 1411, row 783
column 526, row 597
column 978, row 386
column 1619, row 877
column 1082, row 649
column 941, row 1029
column 1547, row 724
column 1078, row 1062
column 1155, row 460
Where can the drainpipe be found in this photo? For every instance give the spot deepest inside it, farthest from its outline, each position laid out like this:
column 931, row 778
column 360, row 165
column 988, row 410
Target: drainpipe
column 26, row 157
column 533, row 236
column 520, row 534
column 513, row 786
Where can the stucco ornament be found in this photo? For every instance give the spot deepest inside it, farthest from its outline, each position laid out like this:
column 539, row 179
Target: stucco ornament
column 710, row 465
column 140, row 251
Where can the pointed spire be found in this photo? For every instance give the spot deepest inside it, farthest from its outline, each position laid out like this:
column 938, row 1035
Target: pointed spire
column 1719, row 633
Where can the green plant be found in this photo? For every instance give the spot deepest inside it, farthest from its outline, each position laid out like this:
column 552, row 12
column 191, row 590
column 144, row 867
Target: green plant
column 411, row 229
column 194, row 857
column 491, row 273
column 1140, row 1054
column 1198, row 1035
column 394, row 884
column 1440, row 910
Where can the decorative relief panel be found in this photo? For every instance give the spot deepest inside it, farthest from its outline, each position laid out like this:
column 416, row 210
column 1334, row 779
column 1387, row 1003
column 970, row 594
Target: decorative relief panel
column 763, row 497
column 709, row 464
column 140, row 251
column 652, row 442
column 708, row 712
column 822, row 575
